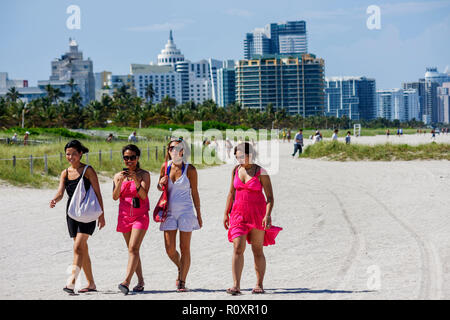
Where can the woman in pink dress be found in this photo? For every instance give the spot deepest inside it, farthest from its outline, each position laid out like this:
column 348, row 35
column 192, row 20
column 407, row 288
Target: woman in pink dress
column 250, row 217
column 131, row 187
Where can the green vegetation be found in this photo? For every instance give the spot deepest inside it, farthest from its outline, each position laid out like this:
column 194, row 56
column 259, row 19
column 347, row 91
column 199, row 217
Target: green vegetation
column 56, row 161
column 339, row 151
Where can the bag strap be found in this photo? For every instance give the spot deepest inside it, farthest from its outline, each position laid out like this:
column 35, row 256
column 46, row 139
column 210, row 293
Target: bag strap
column 84, row 171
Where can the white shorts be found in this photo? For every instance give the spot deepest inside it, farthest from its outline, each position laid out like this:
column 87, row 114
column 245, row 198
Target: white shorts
column 186, row 222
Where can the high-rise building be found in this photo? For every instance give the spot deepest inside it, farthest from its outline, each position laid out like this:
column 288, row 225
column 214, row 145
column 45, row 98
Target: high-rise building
column 444, row 102
column 226, row 84
column 294, row 82
column 411, row 104
column 419, row 86
column 390, row 104
column 170, row 54
column 6, row 83
column 354, row 97
column 287, row 38
column 72, row 66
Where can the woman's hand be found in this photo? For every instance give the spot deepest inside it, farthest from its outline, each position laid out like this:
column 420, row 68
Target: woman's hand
column 226, row 222
column 52, row 203
column 132, row 175
column 101, row 221
column 267, row 222
column 164, row 180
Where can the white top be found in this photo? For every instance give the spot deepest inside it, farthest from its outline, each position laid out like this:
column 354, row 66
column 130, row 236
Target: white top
column 335, row 136
column 180, row 199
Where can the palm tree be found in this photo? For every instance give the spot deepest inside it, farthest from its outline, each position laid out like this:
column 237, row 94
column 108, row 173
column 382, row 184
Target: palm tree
column 71, row 83
column 12, row 95
column 149, row 92
column 53, row 94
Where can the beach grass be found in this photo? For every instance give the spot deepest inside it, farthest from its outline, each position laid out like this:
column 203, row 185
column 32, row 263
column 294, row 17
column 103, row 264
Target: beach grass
column 107, row 165
column 339, row 151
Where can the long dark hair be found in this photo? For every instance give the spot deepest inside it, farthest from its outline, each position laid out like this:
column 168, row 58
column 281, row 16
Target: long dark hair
column 186, row 150
column 133, row 148
column 77, row 145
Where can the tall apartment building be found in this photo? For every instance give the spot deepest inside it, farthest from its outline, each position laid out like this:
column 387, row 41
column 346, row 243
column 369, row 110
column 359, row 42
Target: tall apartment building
column 444, row 103
column 71, row 65
column 398, row 104
column 226, row 84
column 354, row 97
column 294, row 82
column 287, row 38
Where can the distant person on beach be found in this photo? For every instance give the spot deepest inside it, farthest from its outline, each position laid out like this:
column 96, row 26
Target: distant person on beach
column 433, row 134
column 247, row 215
column 229, row 146
column 348, row 137
column 334, row 137
column 283, row 135
column 79, row 231
column 388, row 133
column 401, row 131
column 14, row 139
column 25, row 138
column 133, row 138
column 298, row 143
column 131, row 186
column 289, row 136
column 317, row 136
column 181, row 179
column 110, row 138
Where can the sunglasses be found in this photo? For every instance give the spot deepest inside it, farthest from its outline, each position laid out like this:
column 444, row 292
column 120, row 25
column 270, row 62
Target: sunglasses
column 176, row 139
column 128, row 158
column 177, row 148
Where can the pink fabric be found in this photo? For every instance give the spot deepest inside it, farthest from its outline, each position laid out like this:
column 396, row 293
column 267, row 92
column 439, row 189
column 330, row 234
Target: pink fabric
column 249, row 209
column 129, row 217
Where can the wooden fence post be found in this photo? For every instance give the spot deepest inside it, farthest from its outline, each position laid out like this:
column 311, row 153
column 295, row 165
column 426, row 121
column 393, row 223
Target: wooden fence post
column 14, row 163
column 100, row 158
column 45, row 164
column 31, row 164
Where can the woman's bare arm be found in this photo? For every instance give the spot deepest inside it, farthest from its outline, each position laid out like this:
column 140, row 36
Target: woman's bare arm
column 60, row 193
column 267, row 186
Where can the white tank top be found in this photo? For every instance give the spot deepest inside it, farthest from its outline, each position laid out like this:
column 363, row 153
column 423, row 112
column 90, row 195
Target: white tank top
column 180, row 199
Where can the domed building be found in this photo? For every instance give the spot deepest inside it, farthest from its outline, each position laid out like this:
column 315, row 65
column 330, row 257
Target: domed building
column 170, row 54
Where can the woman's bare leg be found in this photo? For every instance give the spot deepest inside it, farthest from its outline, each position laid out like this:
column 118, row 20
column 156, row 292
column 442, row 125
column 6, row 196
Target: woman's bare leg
column 139, row 273
column 185, row 249
column 257, row 237
column 134, row 244
column 238, row 260
column 79, row 248
column 170, row 238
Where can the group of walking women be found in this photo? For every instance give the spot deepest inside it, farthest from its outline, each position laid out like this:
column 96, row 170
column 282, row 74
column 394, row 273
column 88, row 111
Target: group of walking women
column 247, row 215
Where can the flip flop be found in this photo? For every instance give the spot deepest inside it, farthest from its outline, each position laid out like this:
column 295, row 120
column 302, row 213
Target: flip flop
column 68, row 290
column 181, row 287
column 233, row 291
column 87, row 290
column 258, row 290
column 124, row 289
column 138, row 288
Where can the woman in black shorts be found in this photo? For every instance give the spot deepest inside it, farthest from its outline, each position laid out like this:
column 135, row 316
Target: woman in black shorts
column 79, row 231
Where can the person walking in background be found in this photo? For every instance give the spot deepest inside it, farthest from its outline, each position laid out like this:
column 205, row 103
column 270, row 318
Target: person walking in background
column 348, row 137
column 110, row 138
column 229, row 146
column 289, row 136
column 388, row 133
column 298, row 143
column 433, row 134
column 14, row 139
column 283, row 134
column 133, row 138
column 25, row 138
column 79, row 231
column 335, row 135
column 181, row 180
column 247, row 216
column 131, row 186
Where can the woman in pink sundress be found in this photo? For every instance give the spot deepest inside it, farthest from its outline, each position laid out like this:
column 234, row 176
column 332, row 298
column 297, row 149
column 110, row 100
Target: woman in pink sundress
column 248, row 215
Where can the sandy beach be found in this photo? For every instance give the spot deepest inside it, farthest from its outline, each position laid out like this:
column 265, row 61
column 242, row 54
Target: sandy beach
column 351, row 230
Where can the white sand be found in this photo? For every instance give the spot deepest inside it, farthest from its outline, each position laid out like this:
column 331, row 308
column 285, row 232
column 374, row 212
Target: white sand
column 340, row 220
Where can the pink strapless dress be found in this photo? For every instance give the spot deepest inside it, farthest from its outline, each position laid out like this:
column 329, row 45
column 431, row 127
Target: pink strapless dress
column 249, row 209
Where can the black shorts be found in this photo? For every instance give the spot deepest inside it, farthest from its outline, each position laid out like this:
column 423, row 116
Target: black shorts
column 80, row 227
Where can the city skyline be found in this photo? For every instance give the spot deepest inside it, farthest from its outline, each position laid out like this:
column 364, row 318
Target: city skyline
column 115, row 36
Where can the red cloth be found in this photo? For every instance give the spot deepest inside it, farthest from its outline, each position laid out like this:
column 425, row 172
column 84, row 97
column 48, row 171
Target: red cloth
column 160, row 211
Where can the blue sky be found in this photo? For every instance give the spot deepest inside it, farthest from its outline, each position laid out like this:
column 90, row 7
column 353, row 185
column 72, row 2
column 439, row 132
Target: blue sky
column 114, row 34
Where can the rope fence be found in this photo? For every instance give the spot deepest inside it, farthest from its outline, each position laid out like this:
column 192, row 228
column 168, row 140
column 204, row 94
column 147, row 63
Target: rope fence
column 101, row 157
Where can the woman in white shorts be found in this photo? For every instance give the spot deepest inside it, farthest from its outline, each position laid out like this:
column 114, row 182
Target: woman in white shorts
column 181, row 179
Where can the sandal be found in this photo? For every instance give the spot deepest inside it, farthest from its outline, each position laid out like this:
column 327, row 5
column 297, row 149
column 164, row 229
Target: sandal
column 124, row 289
column 233, row 291
column 87, row 290
column 181, row 286
column 258, row 290
column 138, row 288
column 68, row 290
column 177, row 282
